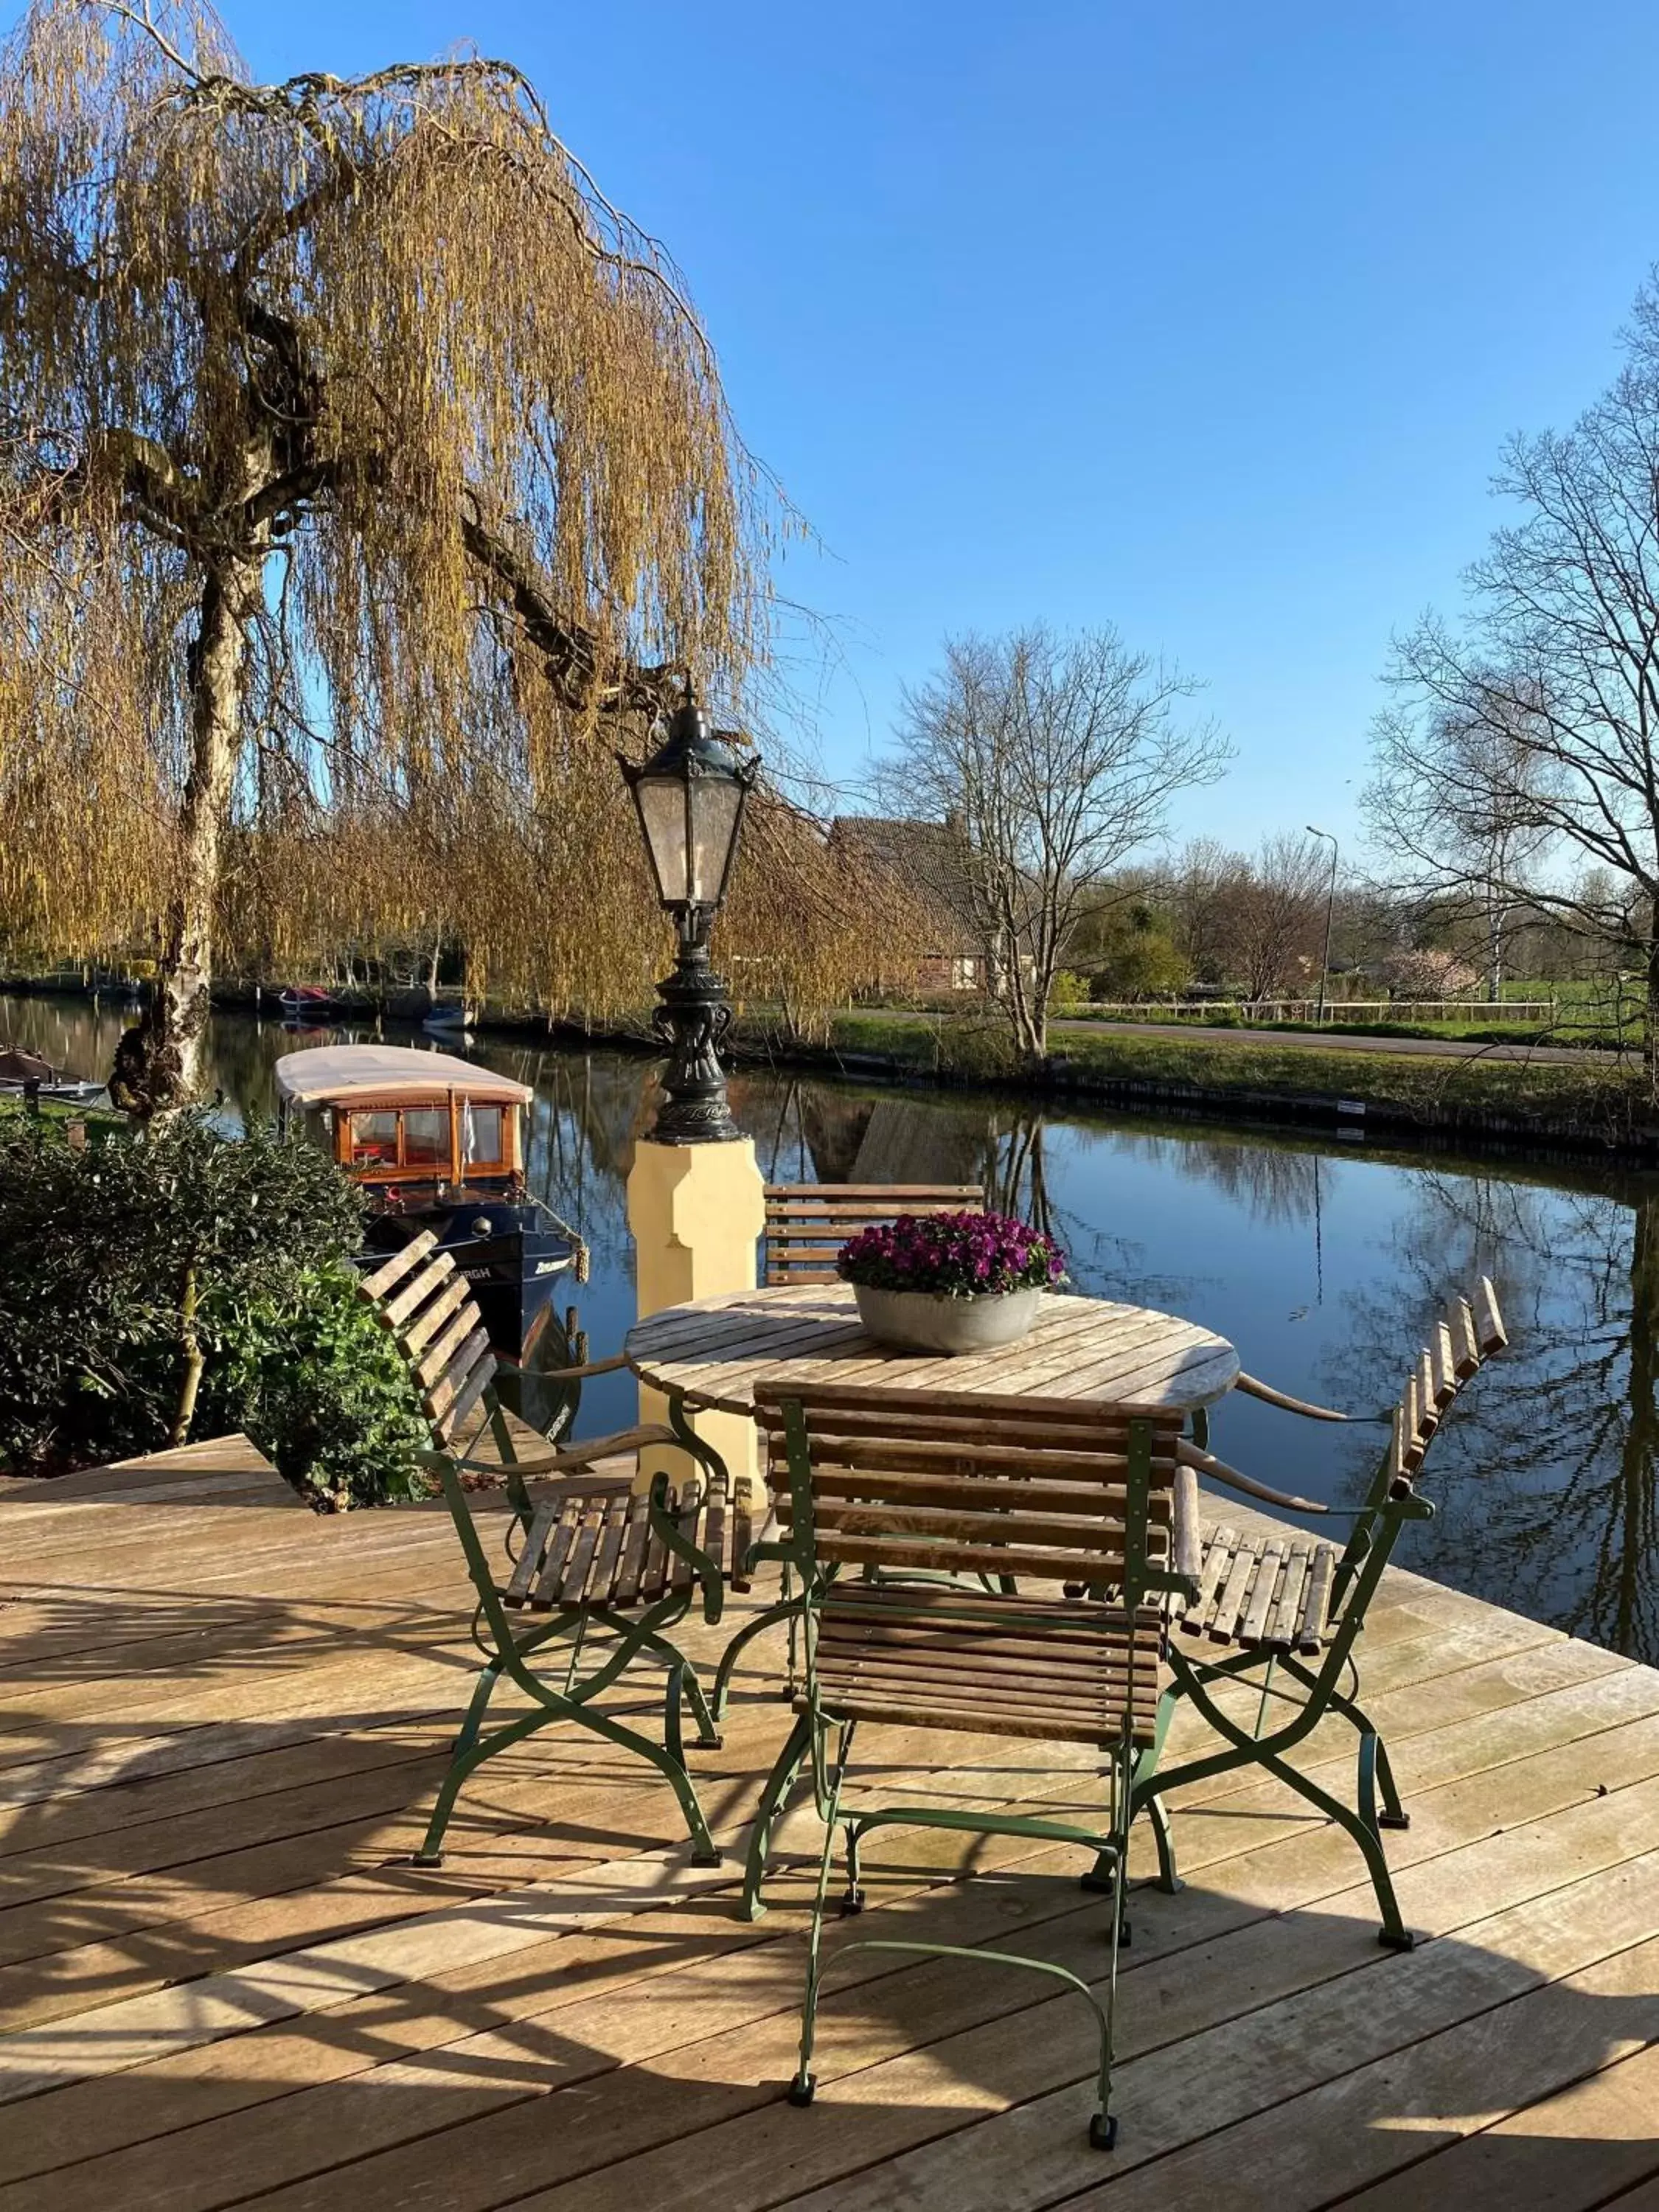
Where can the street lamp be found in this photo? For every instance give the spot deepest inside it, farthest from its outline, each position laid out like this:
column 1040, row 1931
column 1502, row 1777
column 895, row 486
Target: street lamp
column 1330, row 908
column 691, row 797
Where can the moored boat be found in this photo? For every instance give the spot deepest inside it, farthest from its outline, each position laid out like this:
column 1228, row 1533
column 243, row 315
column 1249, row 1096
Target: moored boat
column 25, row 1074
column 306, row 1003
column 438, row 1144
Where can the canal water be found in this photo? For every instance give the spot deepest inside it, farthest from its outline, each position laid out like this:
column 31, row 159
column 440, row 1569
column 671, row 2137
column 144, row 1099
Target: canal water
column 1322, row 1261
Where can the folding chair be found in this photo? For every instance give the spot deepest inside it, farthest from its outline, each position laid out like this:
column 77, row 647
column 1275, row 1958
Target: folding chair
column 1275, row 1603
column 598, row 1562
column 806, row 1225
column 807, row 1222
column 966, row 1484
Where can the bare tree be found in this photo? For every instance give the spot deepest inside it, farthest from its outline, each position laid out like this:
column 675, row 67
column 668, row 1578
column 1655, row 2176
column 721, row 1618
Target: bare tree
column 1272, row 914
column 1054, row 759
column 1523, row 747
column 1467, row 836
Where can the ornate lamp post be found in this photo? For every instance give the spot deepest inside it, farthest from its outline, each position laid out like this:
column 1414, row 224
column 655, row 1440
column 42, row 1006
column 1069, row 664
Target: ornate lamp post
column 691, row 797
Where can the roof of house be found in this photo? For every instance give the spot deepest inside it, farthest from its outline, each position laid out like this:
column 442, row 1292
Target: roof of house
column 928, row 857
column 399, row 1073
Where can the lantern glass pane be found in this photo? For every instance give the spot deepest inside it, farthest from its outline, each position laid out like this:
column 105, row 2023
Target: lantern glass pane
column 714, row 802
column 662, row 811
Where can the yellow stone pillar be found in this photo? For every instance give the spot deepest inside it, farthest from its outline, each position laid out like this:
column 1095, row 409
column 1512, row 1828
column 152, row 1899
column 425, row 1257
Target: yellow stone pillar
column 696, row 1212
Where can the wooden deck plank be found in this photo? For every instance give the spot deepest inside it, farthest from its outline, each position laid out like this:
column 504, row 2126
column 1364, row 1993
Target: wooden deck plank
column 1569, row 2151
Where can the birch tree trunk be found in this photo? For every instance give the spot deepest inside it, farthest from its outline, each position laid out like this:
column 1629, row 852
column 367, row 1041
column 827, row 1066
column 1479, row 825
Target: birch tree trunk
column 159, row 1064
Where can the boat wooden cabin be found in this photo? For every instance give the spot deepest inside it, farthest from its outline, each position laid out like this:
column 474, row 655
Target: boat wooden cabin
column 438, row 1144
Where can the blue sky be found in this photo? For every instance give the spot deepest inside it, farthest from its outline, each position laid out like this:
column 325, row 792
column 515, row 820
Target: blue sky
column 1203, row 317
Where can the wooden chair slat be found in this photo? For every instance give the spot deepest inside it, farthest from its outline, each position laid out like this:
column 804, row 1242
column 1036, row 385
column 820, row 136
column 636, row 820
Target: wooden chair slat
column 806, row 1224
column 432, row 1277
column 1284, row 1617
column 1010, row 1492
column 1264, row 1587
column 1491, row 1336
column 1234, row 1591
column 376, row 1285
column 1465, row 1347
column 1213, row 1579
column 463, row 1325
column 456, row 1296
column 607, row 1558
column 987, row 1457
column 1096, row 1533
column 964, row 1559
column 459, row 1372
column 471, row 1391
column 633, row 1544
column 557, row 1550
column 1428, row 1407
column 524, row 1574
column 1445, row 1366
column 1315, row 1605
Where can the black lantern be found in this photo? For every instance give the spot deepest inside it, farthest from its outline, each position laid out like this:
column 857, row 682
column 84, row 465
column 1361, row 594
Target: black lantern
column 691, row 795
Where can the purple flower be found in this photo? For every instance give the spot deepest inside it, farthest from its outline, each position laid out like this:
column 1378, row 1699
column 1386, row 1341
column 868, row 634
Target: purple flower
column 953, row 1255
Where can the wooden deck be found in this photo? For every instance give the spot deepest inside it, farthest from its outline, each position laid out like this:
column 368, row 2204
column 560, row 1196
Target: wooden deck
column 222, row 1985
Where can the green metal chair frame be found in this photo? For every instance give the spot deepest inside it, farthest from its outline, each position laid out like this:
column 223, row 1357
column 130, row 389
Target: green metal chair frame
column 966, row 1486
column 602, row 1563
column 1317, row 1647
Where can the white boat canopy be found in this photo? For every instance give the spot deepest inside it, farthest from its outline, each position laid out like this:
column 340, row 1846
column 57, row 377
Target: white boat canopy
column 396, row 1073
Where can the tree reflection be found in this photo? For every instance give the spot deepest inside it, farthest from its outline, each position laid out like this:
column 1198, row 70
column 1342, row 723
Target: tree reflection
column 1545, row 1476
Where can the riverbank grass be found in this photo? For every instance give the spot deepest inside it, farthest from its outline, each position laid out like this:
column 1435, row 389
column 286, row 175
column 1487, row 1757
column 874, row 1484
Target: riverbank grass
column 960, row 1049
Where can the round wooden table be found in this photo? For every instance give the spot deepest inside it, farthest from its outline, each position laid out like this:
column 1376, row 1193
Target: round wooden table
column 713, row 1352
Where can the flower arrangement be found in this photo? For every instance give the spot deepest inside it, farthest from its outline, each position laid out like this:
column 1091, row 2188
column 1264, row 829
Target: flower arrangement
column 953, row 1255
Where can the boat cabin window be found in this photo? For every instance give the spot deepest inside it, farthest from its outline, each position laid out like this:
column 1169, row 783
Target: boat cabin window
column 483, row 1135
column 426, row 1137
column 375, row 1140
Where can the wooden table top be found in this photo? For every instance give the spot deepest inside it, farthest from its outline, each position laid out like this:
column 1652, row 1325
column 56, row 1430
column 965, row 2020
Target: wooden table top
column 713, row 1352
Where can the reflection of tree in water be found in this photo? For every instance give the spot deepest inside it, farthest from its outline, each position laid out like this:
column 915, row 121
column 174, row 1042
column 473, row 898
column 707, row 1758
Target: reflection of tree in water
column 1545, row 1477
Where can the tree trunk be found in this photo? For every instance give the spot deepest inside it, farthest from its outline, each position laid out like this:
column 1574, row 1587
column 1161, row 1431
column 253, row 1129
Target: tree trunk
column 158, row 1065
column 190, row 1383
column 1651, row 1027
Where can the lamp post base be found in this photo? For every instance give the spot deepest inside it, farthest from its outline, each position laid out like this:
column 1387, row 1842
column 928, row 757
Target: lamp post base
column 696, row 1212
column 692, row 1022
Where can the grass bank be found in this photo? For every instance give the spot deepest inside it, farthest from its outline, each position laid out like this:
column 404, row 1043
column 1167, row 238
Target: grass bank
column 1592, row 1108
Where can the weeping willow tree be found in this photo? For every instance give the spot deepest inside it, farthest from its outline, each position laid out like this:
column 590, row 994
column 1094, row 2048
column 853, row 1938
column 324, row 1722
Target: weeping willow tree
column 365, row 477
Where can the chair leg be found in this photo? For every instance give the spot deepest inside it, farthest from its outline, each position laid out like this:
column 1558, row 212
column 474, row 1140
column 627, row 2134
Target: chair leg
column 745, row 1636
column 1246, row 1750
column 483, row 1691
column 779, row 1783
column 803, row 2088
column 1103, row 2123
column 1376, row 1774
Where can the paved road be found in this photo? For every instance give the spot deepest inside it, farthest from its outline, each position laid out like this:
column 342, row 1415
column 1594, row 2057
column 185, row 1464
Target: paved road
column 1428, row 1047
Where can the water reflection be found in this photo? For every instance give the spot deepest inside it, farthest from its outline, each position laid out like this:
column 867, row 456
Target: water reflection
column 1323, row 1262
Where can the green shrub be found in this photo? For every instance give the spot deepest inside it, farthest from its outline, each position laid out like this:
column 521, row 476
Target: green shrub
column 146, row 1285
column 308, row 1373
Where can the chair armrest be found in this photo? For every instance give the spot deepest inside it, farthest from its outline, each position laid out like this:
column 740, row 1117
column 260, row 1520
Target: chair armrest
column 1187, row 1454
column 1252, row 1388
column 707, row 1569
column 580, row 1374
column 576, row 1456
column 1186, row 1551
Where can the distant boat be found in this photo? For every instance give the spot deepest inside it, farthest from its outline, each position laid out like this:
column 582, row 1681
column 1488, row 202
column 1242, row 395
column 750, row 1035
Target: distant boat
column 307, row 1002
column 449, row 1020
column 23, row 1074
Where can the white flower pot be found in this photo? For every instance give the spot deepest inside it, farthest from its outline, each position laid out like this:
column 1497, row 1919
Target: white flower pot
column 925, row 1321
